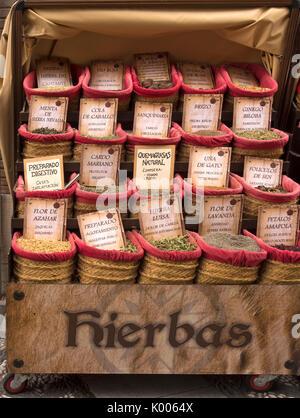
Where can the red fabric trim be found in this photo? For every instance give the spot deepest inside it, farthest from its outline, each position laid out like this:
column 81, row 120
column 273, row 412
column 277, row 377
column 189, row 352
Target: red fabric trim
column 169, row 255
column 30, row 84
column 246, row 143
column 120, row 94
column 113, row 255
column 264, row 78
column 239, row 258
column 79, row 139
column 141, row 91
column 51, row 257
column 220, row 84
column 206, row 141
column 287, row 184
column 29, row 136
column 235, row 187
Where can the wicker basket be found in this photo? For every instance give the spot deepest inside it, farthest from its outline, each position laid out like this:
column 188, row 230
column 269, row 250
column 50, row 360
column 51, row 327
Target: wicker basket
column 252, row 205
column 238, row 154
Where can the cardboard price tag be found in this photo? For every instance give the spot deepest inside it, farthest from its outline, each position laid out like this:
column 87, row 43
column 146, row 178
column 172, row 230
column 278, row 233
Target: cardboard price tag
column 262, row 171
column 153, row 166
column 241, row 77
column 152, row 120
column 53, row 72
column 44, row 173
column 161, row 217
column 222, row 214
column 97, row 117
column 102, row 230
column 154, row 66
column 251, row 113
column 48, row 112
column 278, row 224
column 209, row 167
column 45, row 219
column 107, row 75
column 201, row 112
column 198, row 76
column 99, row 162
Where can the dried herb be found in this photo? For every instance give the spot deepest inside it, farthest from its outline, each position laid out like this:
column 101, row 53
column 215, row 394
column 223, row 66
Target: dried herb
column 227, row 241
column 53, row 88
column 47, row 131
column 278, row 189
column 294, row 248
column 180, row 243
column 254, row 88
column 156, row 85
column 259, row 134
column 130, row 248
column 102, row 137
column 208, row 133
column 43, row 245
column 100, row 189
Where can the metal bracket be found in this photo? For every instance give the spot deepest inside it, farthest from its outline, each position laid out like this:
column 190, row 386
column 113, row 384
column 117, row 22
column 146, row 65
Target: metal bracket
column 262, row 379
column 18, row 380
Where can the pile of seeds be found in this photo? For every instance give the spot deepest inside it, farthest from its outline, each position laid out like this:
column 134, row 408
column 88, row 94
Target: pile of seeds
column 278, row 189
column 47, row 131
column 43, row 246
column 181, row 243
column 226, row 241
column 156, row 85
column 294, row 248
column 130, row 248
column 260, row 134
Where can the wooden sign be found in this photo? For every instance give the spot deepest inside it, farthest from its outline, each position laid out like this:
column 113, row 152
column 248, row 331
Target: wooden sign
column 154, row 66
column 222, row 214
column 45, row 219
column 44, row 173
column 278, row 224
column 152, row 120
column 53, row 72
column 251, row 113
column 161, row 217
column 209, row 167
column 102, row 230
column 99, row 162
column 201, row 112
column 153, row 166
column 146, row 329
column 48, row 112
column 107, row 75
column 242, row 77
column 97, row 117
column 197, row 76
column 262, row 171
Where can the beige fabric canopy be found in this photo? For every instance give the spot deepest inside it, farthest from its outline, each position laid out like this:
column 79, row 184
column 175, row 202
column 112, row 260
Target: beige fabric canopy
column 213, row 36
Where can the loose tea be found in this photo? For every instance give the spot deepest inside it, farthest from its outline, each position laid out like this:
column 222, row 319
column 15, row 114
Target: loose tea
column 181, row 243
column 226, row 241
column 254, row 88
column 278, row 189
column 288, row 247
column 260, row 134
column 43, row 246
column 129, row 248
column 47, row 131
column 156, row 85
column 208, row 133
column 100, row 189
column 104, row 138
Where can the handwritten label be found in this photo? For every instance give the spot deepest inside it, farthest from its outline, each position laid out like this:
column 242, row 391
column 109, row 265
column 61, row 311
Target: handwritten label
column 201, row 112
column 153, row 166
column 102, row 230
column 45, row 219
column 251, row 113
column 262, row 171
column 198, row 76
column 47, row 112
column 99, row 162
column 222, row 214
column 278, row 224
column 97, row 117
column 54, row 72
column 161, row 217
column 44, row 173
column 152, row 120
column 107, row 75
column 242, row 77
column 153, row 66
column 209, row 167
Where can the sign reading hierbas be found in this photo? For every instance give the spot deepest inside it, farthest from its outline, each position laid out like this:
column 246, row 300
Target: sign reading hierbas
column 102, row 230
column 209, row 167
column 251, row 113
column 152, row 120
column 154, row 66
column 201, row 112
column 161, row 217
column 278, row 225
column 47, row 113
column 222, row 214
column 53, row 72
column 107, row 75
column 153, row 166
column 45, row 219
column 262, row 171
column 98, row 117
column 44, row 173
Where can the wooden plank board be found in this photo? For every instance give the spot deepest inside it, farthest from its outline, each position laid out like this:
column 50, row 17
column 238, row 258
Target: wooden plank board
column 144, row 329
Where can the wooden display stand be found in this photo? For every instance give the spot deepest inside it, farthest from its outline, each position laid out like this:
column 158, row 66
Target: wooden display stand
column 228, row 329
